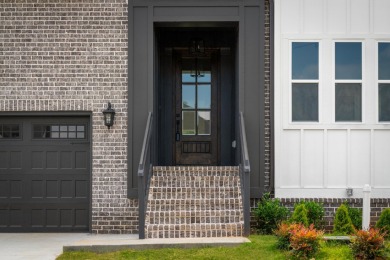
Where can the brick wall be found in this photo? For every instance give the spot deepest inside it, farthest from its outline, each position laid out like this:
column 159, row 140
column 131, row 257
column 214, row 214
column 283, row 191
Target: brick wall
column 58, row 55
column 330, row 207
column 267, row 97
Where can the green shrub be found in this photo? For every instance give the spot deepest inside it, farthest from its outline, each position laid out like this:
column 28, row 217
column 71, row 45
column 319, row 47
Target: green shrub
column 342, row 222
column 305, row 242
column 368, row 244
column 269, row 213
column 384, row 221
column 315, row 213
column 300, row 215
column 356, row 216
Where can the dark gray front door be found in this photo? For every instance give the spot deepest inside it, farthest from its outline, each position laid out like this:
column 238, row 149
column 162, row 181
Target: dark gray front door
column 44, row 174
column 197, row 109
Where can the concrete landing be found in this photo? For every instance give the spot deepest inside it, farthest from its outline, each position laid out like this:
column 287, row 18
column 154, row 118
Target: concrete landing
column 109, row 243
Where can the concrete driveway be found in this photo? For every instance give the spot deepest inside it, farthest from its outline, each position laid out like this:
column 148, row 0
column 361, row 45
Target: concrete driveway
column 35, row 246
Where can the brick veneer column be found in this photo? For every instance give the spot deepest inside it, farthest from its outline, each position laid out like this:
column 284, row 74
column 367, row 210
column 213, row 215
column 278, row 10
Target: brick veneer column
column 58, row 55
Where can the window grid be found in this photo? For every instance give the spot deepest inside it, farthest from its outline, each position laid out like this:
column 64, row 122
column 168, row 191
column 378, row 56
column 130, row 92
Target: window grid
column 344, row 82
column 10, row 131
column 60, row 131
column 303, row 79
column 383, row 84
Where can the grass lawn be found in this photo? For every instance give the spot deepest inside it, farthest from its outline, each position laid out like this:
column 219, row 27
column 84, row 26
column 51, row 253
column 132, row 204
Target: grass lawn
column 262, row 247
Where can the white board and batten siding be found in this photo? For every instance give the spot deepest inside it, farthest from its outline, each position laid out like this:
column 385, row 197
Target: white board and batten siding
column 322, row 159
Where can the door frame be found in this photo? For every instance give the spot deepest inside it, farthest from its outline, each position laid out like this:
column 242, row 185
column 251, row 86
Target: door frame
column 144, row 16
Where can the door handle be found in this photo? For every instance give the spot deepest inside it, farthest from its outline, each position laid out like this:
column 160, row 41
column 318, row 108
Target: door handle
column 177, row 135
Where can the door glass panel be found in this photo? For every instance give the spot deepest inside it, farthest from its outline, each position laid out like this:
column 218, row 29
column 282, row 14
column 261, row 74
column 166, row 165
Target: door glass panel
column 204, row 70
column 187, row 73
column 188, row 96
column 188, row 125
column 204, row 123
column 204, row 96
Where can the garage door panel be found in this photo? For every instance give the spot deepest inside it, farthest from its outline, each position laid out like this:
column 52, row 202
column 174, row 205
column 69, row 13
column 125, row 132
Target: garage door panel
column 45, row 182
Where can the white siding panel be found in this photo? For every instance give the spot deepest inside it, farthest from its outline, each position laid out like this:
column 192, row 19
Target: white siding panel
column 381, row 16
column 313, row 158
column 290, row 16
column 360, row 158
column 360, row 16
column 337, row 16
column 290, row 165
column 313, row 16
column 382, row 159
column 337, row 158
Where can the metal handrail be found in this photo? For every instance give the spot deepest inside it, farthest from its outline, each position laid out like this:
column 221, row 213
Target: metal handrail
column 145, row 145
column 145, row 165
column 245, row 170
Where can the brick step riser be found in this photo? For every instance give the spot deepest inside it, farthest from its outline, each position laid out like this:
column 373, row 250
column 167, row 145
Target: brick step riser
column 195, row 206
column 179, row 221
column 196, row 174
column 196, row 182
column 194, row 230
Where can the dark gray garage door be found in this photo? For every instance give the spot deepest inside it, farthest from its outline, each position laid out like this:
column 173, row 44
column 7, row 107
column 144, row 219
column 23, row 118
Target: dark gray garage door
column 44, row 174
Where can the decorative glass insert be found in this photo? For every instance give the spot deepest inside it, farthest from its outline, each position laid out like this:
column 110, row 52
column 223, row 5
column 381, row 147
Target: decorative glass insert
column 10, row 131
column 204, row 123
column 349, row 102
column 44, row 131
column 305, row 60
column 384, row 61
column 188, row 123
column 384, row 101
column 305, row 102
column 348, row 60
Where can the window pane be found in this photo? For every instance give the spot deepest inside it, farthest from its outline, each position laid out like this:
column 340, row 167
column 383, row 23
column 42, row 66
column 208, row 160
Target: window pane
column 10, row 131
column 188, row 124
column 204, row 123
column 349, row 102
column 188, row 97
column 384, row 102
column 305, row 60
column 348, row 60
column 204, row 70
column 204, row 96
column 188, row 71
column 305, row 102
column 384, row 60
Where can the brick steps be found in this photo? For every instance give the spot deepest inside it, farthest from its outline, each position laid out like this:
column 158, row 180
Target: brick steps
column 194, row 230
column 194, row 201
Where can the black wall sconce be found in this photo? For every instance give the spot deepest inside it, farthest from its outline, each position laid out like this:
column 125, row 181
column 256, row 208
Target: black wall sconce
column 196, row 47
column 109, row 115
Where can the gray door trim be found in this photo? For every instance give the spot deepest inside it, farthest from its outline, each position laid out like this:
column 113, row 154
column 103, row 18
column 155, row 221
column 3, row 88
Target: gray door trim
column 143, row 15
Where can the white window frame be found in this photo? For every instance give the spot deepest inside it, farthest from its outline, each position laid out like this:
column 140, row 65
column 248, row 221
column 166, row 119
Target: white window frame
column 335, row 81
column 317, row 81
column 378, row 81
